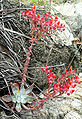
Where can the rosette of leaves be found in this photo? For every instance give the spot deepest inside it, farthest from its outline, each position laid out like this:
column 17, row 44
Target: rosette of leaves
column 20, row 96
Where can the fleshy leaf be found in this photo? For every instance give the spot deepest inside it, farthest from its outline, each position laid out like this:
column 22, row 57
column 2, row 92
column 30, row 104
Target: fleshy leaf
column 30, row 98
column 22, row 90
column 7, row 98
column 25, row 107
column 23, row 101
column 18, row 107
column 19, row 99
column 14, row 99
column 16, row 85
column 14, row 89
column 23, row 96
column 29, row 89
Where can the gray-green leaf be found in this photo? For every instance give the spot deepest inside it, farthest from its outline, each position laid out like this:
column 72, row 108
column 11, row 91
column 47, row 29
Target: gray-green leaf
column 14, row 90
column 30, row 98
column 29, row 89
column 18, row 107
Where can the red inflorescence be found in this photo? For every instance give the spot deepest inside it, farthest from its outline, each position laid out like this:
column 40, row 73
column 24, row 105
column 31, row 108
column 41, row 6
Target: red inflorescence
column 64, row 83
column 43, row 24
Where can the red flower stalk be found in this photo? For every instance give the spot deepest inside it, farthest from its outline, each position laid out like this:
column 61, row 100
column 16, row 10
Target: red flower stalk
column 64, row 83
column 42, row 25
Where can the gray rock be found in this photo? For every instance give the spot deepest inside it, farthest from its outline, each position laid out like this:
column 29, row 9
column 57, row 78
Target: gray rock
column 80, row 75
column 63, row 38
column 72, row 14
column 72, row 115
column 63, row 108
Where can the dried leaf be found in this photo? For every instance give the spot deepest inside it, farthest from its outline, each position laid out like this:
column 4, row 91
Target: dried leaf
column 30, row 99
column 7, row 98
column 16, row 85
column 25, row 107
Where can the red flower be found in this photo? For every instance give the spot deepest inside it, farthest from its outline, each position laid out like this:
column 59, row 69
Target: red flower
column 72, row 91
column 50, row 78
column 22, row 13
column 70, row 82
column 26, row 12
column 76, row 78
column 48, row 13
column 57, row 85
column 73, row 71
column 34, row 7
column 79, row 82
column 74, row 85
column 68, row 93
column 68, row 86
column 63, row 29
column 70, row 69
column 54, row 26
column 42, row 20
column 50, row 70
column 55, row 91
column 38, row 16
column 56, row 19
column 45, row 69
column 58, row 22
column 71, row 77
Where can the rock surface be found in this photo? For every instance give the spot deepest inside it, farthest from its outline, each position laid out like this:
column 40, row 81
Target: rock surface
column 73, row 18
column 63, row 38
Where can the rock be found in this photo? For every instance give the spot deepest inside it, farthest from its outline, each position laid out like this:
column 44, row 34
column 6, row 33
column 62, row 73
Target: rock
column 61, row 108
column 72, row 115
column 80, row 75
column 2, row 113
column 66, row 37
column 63, row 38
column 80, row 36
column 73, row 23
column 73, row 18
column 40, row 59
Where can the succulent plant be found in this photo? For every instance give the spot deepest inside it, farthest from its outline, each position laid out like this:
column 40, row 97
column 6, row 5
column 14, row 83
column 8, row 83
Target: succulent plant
column 20, row 96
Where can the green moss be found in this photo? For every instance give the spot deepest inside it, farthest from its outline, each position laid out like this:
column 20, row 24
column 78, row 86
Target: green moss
column 39, row 2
